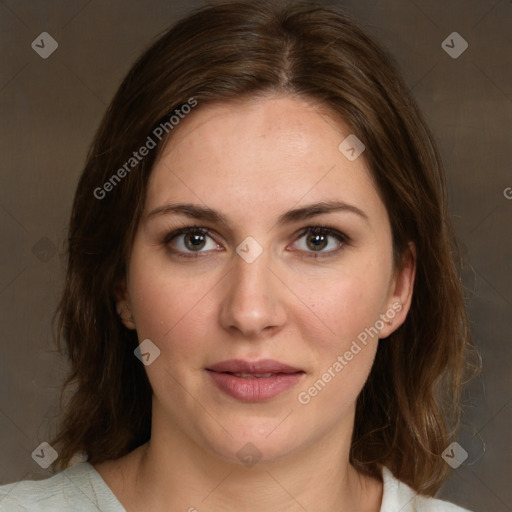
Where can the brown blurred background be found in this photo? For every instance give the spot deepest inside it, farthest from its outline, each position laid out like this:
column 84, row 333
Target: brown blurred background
column 52, row 106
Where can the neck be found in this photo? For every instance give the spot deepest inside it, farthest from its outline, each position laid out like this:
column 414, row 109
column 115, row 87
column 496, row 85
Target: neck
column 169, row 474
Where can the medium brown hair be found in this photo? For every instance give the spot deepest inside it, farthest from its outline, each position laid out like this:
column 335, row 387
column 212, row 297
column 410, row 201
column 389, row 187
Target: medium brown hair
column 408, row 410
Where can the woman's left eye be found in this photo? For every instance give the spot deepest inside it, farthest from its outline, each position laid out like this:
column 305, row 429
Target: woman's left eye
column 322, row 240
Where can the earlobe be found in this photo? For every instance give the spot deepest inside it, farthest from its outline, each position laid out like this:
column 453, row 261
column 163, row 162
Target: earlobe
column 123, row 306
column 124, row 311
column 401, row 291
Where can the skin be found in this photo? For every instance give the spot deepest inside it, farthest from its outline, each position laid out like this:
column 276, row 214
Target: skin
column 252, row 161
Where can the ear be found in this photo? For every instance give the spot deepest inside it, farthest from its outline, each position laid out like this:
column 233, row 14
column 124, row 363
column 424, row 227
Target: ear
column 123, row 305
column 400, row 293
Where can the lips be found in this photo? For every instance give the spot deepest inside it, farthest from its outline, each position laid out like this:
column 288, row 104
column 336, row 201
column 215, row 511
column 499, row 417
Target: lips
column 254, row 381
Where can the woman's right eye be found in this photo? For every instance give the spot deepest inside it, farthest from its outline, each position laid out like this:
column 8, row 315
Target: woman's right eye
column 190, row 240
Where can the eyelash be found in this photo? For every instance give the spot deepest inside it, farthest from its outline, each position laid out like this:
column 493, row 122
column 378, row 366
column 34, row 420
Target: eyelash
column 308, row 230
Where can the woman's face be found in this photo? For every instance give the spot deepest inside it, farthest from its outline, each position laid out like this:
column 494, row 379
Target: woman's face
column 249, row 290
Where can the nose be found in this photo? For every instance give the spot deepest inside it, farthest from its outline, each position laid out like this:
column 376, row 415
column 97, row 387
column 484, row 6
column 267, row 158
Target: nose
column 253, row 301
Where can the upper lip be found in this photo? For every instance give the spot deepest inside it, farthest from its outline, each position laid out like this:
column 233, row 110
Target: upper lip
column 253, row 367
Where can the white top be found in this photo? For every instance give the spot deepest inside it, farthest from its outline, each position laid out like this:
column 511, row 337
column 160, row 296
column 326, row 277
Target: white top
column 80, row 488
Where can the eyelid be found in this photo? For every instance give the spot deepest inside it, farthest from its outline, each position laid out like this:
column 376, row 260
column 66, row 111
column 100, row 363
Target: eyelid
column 183, row 231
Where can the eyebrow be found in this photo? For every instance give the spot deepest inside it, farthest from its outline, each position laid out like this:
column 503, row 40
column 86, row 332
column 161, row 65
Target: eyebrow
column 204, row 213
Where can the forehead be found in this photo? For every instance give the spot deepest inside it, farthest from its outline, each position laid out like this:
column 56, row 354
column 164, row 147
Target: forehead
column 270, row 152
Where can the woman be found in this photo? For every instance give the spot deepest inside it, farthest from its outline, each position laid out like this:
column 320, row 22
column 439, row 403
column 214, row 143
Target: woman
column 262, row 309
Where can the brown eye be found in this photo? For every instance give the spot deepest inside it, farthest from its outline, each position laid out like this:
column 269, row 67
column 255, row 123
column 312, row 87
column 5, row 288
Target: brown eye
column 320, row 241
column 194, row 241
column 317, row 242
column 190, row 240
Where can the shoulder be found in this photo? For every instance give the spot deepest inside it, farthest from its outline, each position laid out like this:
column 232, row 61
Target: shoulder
column 399, row 496
column 78, row 488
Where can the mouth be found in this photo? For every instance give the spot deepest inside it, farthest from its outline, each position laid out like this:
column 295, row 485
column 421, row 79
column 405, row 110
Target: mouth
column 254, row 381
column 262, row 367
column 252, row 375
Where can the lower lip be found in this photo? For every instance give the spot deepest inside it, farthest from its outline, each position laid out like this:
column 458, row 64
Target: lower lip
column 256, row 389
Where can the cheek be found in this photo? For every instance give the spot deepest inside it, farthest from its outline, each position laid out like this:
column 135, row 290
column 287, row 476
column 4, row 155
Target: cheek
column 342, row 305
column 339, row 327
column 342, row 343
column 170, row 309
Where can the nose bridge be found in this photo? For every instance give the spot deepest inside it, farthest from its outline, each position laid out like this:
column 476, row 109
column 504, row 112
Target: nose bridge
column 252, row 300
